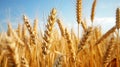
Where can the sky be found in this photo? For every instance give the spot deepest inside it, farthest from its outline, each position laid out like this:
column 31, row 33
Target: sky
column 13, row 10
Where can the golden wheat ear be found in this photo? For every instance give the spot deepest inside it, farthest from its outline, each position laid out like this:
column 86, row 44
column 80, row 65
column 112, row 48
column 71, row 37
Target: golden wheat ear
column 106, row 35
column 84, row 25
column 14, row 34
column 11, row 52
column 109, row 55
column 32, row 34
column 62, row 30
column 79, row 14
column 84, row 39
column 112, row 63
column 19, row 32
column 24, row 31
column 24, row 62
column 79, row 11
column 118, row 26
column 9, row 32
column 58, row 61
column 93, row 10
column 118, row 18
column 35, row 27
column 48, row 32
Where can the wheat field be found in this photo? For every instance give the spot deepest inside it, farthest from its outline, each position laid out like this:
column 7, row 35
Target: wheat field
column 27, row 46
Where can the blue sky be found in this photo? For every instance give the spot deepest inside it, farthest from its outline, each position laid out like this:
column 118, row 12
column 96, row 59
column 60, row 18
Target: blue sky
column 13, row 10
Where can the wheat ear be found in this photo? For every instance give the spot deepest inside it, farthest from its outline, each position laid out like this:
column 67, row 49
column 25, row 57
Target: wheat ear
column 35, row 27
column 14, row 34
column 11, row 52
column 108, row 55
column 9, row 33
column 118, row 26
column 106, row 35
column 70, row 47
column 79, row 11
column 24, row 62
column 58, row 61
column 79, row 14
column 47, row 35
column 32, row 34
column 93, row 10
column 19, row 32
column 59, row 22
column 84, row 25
column 24, row 31
column 118, row 18
column 84, row 39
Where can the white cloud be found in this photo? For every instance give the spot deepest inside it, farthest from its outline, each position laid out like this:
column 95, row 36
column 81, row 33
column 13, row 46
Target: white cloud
column 105, row 22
